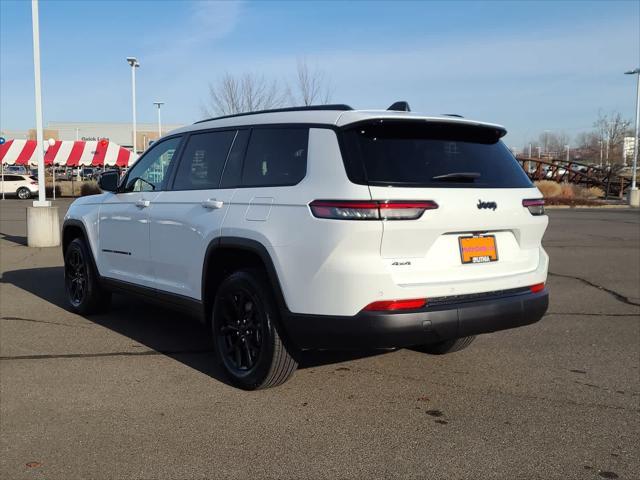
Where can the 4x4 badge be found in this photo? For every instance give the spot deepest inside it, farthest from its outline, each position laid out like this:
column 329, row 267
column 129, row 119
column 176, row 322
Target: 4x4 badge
column 491, row 205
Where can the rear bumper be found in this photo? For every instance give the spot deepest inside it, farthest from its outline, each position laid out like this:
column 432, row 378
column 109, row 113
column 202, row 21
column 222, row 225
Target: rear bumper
column 431, row 324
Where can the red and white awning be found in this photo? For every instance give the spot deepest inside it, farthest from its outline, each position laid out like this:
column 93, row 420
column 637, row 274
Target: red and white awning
column 67, row 153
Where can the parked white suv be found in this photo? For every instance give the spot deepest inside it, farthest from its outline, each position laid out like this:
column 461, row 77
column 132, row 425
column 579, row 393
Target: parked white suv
column 22, row 186
column 318, row 228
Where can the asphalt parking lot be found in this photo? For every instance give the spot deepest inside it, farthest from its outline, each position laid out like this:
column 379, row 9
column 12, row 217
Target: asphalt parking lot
column 135, row 393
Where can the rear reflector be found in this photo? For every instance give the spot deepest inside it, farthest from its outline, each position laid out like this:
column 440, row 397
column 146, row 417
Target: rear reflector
column 370, row 209
column 535, row 205
column 538, row 287
column 391, row 305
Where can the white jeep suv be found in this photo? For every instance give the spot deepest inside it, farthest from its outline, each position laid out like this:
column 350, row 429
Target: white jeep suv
column 318, row 228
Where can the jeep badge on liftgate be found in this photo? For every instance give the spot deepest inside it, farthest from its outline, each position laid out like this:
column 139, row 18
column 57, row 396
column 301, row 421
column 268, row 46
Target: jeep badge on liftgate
column 487, row 205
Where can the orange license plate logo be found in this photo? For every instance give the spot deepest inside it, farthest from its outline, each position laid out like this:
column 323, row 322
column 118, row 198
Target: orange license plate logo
column 478, row 249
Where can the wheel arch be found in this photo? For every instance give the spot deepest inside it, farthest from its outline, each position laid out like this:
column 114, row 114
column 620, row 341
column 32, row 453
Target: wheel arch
column 227, row 254
column 72, row 229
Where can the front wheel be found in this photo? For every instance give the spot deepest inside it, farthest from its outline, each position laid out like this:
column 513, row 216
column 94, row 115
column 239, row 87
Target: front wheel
column 248, row 344
column 447, row 346
column 23, row 193
column 84, row 293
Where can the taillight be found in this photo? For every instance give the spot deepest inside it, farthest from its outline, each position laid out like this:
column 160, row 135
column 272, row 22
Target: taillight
column 34, row 183
column 371, row 210
column 535, row 205
column 392, row 305
column 538, row 287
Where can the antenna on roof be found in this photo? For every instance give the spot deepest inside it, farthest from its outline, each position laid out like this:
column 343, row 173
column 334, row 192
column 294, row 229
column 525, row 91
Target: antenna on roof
column 400, row 107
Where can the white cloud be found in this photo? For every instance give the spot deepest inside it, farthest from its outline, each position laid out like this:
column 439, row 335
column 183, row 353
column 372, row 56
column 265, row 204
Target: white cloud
column 211, row 20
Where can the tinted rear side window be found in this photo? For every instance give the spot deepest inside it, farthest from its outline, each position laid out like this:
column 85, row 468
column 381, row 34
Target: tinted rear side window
column 431, row 155
column 276, row 156
column 203, row 160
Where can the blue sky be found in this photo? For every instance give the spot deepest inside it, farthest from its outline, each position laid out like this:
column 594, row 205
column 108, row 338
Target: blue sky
column 532, row 66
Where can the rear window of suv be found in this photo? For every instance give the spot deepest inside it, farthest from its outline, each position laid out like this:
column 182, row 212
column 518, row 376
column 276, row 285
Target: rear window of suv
column 427, row 154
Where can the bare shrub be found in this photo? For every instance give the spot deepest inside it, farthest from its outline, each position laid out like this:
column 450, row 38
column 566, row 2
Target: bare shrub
column 567, row 191
column 89, row 188
column 548, row 188
column 49, row 191
column 594, row 192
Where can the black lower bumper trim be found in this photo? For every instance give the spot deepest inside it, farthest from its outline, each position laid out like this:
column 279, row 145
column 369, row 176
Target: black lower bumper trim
column 406, row 329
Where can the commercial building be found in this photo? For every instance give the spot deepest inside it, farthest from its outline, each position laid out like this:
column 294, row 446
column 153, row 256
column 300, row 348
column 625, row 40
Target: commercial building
column 119, row 133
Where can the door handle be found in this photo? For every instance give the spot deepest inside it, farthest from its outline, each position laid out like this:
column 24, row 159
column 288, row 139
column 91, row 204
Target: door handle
column 212, row 204
column 142, row 203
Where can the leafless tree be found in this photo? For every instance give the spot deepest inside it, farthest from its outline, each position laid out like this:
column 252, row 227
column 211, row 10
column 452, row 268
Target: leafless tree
column 246, row 93
column 311, row 86
column 250, row 92
column 604, row 144
column 611, row 129
column 549, row 145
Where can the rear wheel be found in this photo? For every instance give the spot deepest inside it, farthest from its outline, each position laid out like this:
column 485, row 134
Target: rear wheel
column 84, row 293
column 248, row 344
column 448, row 346
column 23, row 193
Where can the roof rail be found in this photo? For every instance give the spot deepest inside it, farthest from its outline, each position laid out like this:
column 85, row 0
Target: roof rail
column 452, row 115
column 339, row 107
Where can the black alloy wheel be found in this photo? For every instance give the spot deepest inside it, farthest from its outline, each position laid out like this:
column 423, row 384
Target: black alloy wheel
column 85, row 294
column 245, row 328
column 241, row 331
column 76, row 277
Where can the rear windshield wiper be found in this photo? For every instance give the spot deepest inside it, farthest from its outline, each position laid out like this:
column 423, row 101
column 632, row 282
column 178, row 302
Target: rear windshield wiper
column 457, row 177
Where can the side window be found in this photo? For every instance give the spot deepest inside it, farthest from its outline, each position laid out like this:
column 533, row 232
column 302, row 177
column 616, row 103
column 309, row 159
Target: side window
column 203, row 160
column 149, row 174
column 276, row 156
column 233, row 170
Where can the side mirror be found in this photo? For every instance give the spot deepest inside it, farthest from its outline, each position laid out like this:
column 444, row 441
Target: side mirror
column 108, row 181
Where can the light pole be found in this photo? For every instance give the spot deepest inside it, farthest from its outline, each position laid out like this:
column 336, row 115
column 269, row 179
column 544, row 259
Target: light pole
column 634, row 197
column 43, row 227
column 133, row 61
column 600, row 142
column 35, row 23
column 546, row 142
column 159, row 104
column 568, row 149
column 51, row 143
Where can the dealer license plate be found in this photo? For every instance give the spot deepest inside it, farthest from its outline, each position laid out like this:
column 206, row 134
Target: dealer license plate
column 478, row 249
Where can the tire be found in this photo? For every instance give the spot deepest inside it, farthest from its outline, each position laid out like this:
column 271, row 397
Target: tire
column 448, row 346
column 23, row 193
column 248, row 345
column 82, row 287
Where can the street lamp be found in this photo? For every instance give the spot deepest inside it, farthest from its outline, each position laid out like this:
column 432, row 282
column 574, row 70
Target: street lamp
column 43, row 227
column 634, row 196
column 35, row 24
column 159, row 104
column 133, row 61
column 51, row 143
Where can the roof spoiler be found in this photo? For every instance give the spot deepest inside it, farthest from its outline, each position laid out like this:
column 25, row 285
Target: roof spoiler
column 400, row 107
